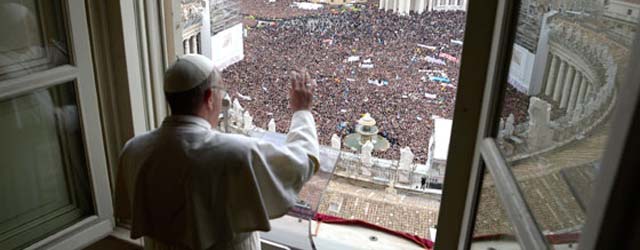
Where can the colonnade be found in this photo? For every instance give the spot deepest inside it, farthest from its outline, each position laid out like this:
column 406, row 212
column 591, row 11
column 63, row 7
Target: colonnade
column 566, row 84
column 191, row 44
column 403, row 7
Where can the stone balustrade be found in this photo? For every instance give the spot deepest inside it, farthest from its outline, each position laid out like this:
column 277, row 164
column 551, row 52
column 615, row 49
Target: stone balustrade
column 581, row 84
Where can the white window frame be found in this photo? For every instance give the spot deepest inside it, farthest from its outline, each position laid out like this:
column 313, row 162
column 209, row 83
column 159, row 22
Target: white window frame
column 486, row 23
column 131, row 54
column 80, row 72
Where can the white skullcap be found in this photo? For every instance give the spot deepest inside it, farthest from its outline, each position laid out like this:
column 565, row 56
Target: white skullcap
column 188, row 72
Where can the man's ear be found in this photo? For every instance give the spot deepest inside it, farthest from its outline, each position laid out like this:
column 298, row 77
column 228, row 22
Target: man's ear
column 209, row 99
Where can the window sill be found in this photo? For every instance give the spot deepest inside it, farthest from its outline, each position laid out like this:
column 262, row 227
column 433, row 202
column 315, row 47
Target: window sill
column 286, row 233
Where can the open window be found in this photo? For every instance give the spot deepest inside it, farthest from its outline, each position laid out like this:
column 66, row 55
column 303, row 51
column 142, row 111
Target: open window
column 557, row 72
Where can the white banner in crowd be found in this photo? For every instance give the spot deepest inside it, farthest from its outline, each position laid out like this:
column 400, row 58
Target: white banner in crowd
column 448, row 57
column 353, row 59
column 307, row 6
column 427, row 47
column 436, row 60
column 458, row 42
column 430, row 96
column 366, row 66
column 227, row 46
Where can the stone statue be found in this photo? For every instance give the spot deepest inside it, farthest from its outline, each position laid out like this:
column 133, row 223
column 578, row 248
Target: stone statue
column 540, row 133
column 247, row 121
column 406, row 158
column 335, row 142
column 365, row 154
column 509, row 127
column 236, row 106
column 405, row 165
column 271, row 126
column 236, row 112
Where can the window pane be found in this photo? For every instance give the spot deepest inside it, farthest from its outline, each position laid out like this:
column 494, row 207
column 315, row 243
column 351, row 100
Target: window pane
column 34, row 37
column 386, row 72
column 568, row 62
column 44, row 184
column 492, row 228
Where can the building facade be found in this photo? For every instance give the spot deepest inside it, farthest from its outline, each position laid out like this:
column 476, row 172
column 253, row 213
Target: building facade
column 193, row 24
column 404, row 7
column 622, row 17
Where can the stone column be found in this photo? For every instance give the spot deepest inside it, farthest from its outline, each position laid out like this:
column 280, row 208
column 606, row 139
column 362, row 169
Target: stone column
column 553, row 74
column 187, row 47
column 567, row 87
column 407, row 6
column 382, row 4
column 421, row 6
column 582, row 91
column 194, row 44
column 430, row 7
column 573, row 96
column 557, row 88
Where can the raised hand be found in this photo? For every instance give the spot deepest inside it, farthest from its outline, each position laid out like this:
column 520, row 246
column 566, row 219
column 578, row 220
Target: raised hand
column 301, row 91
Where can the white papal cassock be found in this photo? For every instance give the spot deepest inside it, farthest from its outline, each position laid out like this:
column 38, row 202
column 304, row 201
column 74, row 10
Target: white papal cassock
column 186, row 186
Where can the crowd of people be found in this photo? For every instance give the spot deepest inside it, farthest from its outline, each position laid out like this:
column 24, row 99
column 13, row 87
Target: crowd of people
column 515, row 103
column 273, row 9
column 364, row 60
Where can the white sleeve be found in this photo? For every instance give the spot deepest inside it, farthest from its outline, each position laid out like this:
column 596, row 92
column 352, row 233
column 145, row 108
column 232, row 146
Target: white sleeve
column 280, row 171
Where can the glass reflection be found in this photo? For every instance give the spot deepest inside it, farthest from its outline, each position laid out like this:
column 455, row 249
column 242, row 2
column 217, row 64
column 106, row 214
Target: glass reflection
column 44, row 184
column 34, row 37
column 568, row 61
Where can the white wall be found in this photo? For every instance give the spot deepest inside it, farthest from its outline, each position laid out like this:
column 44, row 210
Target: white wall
column 620, row 9
column 227, row 46
column 521, row 68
